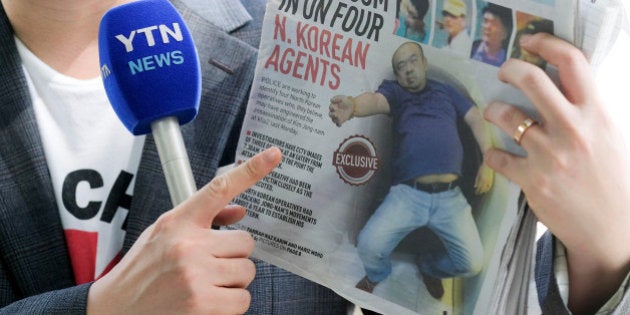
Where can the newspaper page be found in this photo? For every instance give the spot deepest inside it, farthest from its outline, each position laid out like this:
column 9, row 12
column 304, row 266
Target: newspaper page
column 381, row 194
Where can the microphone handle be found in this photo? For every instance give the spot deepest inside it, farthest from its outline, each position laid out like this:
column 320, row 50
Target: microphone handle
column 174, row 159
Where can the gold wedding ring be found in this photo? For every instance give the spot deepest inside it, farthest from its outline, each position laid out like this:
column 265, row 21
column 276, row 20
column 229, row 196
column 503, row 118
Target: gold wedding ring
column 522, row 128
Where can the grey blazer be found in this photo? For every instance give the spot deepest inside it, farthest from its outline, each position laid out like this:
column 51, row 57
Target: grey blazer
column 35, row 272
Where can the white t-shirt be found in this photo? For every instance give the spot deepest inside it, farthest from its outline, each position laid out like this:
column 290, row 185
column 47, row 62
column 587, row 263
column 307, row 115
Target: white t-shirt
column 92, row 160
column 461, row 43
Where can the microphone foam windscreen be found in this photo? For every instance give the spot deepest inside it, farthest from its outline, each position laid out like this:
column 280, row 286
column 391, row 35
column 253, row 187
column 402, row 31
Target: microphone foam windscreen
column 149, row 64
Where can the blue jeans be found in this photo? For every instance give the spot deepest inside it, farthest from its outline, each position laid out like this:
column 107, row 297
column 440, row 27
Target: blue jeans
column 405, row 209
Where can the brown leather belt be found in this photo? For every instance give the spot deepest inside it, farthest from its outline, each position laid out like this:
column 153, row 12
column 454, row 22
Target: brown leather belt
column 431, row 187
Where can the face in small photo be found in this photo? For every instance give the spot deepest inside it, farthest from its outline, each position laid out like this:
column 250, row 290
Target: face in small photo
column 527, row 24
column 453, row 26
column 414, row 22
column 493, row 34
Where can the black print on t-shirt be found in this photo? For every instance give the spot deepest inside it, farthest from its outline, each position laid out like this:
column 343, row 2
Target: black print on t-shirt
column 117, row 196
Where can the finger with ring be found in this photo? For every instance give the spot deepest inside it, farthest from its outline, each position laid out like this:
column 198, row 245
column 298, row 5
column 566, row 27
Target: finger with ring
column 522, row 128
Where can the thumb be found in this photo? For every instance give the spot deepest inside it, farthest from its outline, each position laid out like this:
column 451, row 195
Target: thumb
column 205, row 204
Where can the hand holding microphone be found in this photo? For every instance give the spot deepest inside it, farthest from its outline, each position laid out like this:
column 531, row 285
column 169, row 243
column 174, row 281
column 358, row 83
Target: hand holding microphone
column 178, row 264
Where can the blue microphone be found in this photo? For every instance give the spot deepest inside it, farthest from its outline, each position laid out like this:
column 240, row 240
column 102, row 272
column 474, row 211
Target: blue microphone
column 152, row 78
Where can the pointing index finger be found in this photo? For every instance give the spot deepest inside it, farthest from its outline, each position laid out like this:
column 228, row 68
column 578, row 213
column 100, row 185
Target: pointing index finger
column 204, row 205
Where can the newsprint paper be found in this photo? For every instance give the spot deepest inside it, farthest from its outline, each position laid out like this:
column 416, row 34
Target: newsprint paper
column 344, row 208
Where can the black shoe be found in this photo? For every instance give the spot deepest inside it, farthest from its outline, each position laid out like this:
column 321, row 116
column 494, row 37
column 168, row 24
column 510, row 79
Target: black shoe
column 369, row 312
column 434, row 286
column 366, row 285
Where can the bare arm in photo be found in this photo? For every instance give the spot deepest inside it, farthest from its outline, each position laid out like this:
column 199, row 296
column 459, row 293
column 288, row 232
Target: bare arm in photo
column 485, row 175
column 343, row 108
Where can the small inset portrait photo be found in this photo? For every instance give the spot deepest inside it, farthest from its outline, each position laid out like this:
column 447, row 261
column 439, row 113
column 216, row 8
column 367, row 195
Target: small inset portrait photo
column 453, row 20
column 414, row 22
column 493, row 34
column 527, row 24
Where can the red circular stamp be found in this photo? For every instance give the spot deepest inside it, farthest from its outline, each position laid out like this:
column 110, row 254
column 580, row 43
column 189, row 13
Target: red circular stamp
column 356, row 160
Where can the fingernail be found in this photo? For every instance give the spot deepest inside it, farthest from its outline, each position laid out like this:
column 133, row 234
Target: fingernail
column 525, row 39
column 271, row 154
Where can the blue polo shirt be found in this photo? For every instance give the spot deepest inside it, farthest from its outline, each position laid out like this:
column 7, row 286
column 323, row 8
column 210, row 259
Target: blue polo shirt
column 425, row 129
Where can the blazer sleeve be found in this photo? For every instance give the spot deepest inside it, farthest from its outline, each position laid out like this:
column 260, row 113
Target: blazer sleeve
column 72, row 300
column 547, row 285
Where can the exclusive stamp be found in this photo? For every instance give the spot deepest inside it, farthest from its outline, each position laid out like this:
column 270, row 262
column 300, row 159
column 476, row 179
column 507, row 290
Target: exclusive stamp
column 356, row 160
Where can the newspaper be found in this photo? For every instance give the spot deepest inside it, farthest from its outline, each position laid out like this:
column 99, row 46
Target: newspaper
column 307, row 216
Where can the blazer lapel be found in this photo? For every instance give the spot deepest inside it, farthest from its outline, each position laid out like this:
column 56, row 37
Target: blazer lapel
column 31, row 238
